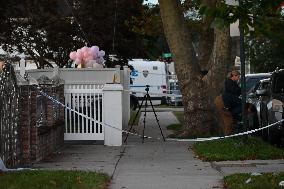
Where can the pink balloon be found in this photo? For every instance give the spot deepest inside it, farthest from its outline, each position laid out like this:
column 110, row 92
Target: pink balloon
column 84, row 49
column 94, row 54
column 89, row 58
column 85, row 54
column 72, row 55
column 78, row 61
column 79, row 54
column 88, row 50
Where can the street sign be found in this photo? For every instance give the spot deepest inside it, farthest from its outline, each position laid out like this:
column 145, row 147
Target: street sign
column 167, row 55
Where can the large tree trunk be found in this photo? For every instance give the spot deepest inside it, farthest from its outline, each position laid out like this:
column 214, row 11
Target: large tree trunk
column 198, row 88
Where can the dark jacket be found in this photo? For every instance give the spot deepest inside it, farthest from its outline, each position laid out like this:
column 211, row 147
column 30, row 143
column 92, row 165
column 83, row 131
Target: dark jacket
column 231, row 94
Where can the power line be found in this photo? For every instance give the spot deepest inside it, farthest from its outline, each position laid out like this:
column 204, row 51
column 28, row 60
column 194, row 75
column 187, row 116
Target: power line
column 114, row 26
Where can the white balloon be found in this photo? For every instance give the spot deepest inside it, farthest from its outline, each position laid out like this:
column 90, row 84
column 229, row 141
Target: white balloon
column 89, row 64
column 98, row 66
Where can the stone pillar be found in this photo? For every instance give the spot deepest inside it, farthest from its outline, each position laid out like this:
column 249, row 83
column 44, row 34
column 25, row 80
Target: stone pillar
column 126, row 95
column 24, row 123
column 112, row 112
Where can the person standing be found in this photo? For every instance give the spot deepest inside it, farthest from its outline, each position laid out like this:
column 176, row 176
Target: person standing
column 231, row 95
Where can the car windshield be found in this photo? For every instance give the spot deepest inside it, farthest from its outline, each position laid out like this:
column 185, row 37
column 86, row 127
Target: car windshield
column 251, row 82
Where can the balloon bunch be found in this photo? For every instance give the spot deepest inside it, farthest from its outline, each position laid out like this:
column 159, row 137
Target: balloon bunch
column 88, row 56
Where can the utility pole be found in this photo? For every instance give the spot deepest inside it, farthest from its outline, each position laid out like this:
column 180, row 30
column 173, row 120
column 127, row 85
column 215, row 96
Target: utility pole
column 243, row 78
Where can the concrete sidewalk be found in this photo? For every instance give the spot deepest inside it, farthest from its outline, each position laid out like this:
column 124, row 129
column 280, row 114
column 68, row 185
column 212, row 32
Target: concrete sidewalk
column 158, row 164
column 153, row 164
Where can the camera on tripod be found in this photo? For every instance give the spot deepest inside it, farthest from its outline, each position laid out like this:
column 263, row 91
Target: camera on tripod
column 147, row 87
column 145, row 99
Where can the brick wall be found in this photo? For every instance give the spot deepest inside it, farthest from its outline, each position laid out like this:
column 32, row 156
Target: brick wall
column 41, row 123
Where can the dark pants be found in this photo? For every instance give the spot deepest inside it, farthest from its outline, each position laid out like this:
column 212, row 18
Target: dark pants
column 234, row 104
column 236, row 112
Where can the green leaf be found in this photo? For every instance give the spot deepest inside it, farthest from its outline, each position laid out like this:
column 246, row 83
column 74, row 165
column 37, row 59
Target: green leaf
column 203, row 9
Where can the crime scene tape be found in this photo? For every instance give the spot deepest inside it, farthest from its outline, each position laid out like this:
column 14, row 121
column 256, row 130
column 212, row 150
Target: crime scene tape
column 229, row 136
column 168, row 139
column 90, row 118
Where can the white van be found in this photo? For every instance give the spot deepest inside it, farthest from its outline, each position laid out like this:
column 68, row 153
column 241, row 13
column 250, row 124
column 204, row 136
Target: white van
column 152, row 73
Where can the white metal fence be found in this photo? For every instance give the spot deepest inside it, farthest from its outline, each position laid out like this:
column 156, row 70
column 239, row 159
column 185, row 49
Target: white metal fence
column 88, row 100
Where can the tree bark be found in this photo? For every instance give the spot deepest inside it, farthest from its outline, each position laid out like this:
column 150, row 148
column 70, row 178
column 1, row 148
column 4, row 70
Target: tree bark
column 207, row 35
column 198, row 89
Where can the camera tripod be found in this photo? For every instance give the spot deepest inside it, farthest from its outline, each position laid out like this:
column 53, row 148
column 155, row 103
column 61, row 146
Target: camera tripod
column 146, row 98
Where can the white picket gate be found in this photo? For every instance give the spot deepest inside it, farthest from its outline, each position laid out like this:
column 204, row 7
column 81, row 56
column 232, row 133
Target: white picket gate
column 88, row 100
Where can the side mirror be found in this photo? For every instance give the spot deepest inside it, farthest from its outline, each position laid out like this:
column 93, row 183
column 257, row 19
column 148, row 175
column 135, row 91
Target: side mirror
column 262, row 92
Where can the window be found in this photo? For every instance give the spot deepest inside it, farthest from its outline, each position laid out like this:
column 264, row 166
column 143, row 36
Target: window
column 251, row 81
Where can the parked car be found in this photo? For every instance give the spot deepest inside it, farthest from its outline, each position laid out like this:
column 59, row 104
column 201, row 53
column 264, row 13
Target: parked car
column 267, row 100
column 254, row 100
column 252, row 79
column 174, row 90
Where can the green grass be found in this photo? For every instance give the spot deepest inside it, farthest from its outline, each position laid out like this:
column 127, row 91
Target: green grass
column 175, row 127
column 132, row 116
column 161, row 106
column 53, row 180
column 240, row 148
column 264, row 181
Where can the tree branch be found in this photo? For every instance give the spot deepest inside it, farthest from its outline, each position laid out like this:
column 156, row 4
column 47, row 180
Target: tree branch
column 207, row 35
